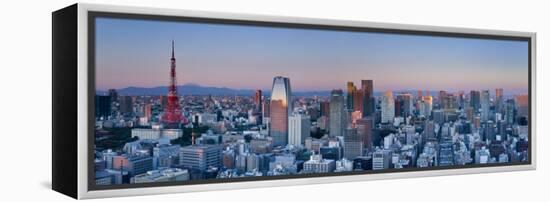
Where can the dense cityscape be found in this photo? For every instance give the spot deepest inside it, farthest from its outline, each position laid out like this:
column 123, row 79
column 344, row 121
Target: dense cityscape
column 182, row 137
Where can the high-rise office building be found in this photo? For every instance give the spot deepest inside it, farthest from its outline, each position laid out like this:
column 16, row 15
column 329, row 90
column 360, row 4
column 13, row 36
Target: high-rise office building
column 449, row 102
column 438, row 116
column 475, row 97
column 324, row 108
column 364, row 129
column 258, row 105
column 353, row 144
column 441, row 98
column 367, row 88
column 358, row 101
column 126, row 105
column 102, row 106
column 387, row 107
column 477, row 122
column 299, row 127
column 510, row 111
column 499, row 100
column 485, row 102
column 489, row 131
column 351, row 91
column 258, row 101
column 469, row 113
column 398, row 109
column 265, row 108
column 461, row 99
column 429, row 131
column 426, row 106
column 337, row 113
column 280, row 108
column 403, row 104
column 446, row 130
column 446, row 154
column 501, row 129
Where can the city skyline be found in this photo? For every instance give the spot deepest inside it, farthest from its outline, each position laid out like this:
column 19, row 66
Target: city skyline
column 454, row 132
column 147, row 139
column 365, row 55
column 322, row 92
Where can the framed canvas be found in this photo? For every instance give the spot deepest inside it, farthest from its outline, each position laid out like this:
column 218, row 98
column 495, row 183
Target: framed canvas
column 150, row 101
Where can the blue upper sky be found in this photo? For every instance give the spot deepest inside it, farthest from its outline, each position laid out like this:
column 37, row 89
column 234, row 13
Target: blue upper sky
column 137, row 53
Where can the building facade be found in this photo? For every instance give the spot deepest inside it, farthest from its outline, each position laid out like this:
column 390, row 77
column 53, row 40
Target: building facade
column 280, row 108
column 299, row 127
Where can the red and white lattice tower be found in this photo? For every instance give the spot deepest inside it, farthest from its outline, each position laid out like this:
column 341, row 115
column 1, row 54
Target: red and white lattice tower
column 172, row 115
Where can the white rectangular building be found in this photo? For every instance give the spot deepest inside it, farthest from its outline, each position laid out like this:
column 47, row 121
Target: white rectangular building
column 155, row 134
column 299, row 127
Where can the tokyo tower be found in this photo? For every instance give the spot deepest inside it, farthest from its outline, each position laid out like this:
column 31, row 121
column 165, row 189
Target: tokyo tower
column 172, row 116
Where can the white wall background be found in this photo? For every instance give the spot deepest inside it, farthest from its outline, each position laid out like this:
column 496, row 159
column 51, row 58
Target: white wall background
column 25, row 98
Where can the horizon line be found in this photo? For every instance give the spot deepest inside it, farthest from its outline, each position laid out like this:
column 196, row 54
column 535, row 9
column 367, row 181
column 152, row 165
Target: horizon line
column 318, row 90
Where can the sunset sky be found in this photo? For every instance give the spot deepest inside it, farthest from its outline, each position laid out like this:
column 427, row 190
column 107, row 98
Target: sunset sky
column 137, row 53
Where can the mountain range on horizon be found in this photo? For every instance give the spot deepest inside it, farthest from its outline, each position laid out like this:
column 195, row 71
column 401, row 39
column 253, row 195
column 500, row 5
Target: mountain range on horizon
column 195, row 89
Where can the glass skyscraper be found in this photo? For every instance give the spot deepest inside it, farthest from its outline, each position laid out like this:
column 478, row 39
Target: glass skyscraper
column 280, row 108
column 367, row 87
column 485, row 104
column 388, row 109
column 337, row 113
